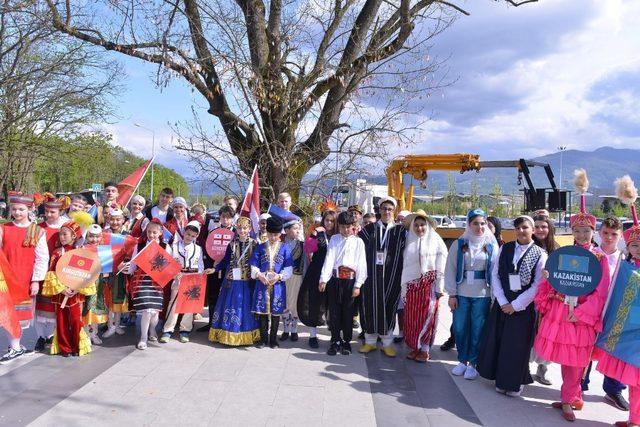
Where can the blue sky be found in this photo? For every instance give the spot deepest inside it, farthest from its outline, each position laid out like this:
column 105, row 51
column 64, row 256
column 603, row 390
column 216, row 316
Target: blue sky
column 528, row 79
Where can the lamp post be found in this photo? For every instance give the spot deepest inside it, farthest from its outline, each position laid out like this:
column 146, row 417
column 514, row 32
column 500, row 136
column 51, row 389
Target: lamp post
column 561, row 149
column 153, row 153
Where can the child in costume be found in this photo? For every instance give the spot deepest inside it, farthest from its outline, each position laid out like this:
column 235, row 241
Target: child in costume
column 45, row 315
column 70, row 338
column 567, row 332
column 137, row 222
column 189, row 255
column 290, row 319
column 115, row 290
column 233, row 323
column 25, row 246
column 94, row 310
column 610, row 365
column 343, row 273
column 146, row 295
column 271, row 266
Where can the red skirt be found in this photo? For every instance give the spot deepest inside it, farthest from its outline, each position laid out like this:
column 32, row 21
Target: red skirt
column 420, row 311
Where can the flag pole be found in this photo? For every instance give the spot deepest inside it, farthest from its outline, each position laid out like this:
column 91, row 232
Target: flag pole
column 143, row 175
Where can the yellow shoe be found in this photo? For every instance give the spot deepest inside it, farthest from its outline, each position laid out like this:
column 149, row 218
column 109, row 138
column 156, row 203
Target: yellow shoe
column 389, row 351
column 367, row 348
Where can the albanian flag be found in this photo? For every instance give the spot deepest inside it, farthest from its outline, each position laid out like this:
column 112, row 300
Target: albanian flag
column 157, row 263
column 8, row 318
column 191, row 293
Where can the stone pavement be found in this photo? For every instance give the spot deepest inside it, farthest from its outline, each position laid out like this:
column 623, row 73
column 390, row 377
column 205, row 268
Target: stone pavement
column 198, row 384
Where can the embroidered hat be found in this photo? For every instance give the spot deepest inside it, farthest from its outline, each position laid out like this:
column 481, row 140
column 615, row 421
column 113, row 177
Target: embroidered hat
column 94, row 229
column 116, row 212
column 474, row 213
column 243, row 221
column 628, row 194
column 51, row 202
column 179, row 201
column 582, row 218
column 354, row 208
column 194, row 224
column 18, row 197
column 74, row 227
column 388, row 199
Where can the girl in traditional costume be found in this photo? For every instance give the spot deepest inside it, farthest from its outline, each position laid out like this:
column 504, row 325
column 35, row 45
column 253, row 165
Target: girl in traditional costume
column 25, row 246
column 422, row 280
column 509, row 330
column 622, row 309
column 95, row 311
column 312, row 304
column 271, row 267
column 468, row 282
column 116, row 290
column 233, row 322
column 69, row 338
column 146, row 295
column 137, row 222
column 567, row 332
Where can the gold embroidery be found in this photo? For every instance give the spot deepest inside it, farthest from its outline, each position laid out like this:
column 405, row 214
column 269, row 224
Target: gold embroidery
column 622, row 314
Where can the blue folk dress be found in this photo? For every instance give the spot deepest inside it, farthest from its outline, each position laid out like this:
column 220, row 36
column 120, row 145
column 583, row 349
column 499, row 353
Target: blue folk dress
column 233, row 323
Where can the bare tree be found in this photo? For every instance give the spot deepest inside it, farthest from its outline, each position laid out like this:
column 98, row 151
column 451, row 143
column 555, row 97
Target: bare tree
column 280, row 76
column 46, row 88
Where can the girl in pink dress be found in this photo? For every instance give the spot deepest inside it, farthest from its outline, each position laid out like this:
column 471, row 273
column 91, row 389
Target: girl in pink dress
column 608, row 364
column 567, row 336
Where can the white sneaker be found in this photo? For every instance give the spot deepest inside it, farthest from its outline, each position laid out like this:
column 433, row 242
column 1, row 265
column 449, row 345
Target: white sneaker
column 141, row 345
column 459, row 369
column 515, row 393
column 109, row 332
column 470, row 373
column 499, row 390
column 95, row 339
column 120, row 330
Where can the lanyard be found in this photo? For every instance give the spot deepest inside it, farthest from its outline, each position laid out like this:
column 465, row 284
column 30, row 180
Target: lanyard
column 244, row 252
column 383, row 239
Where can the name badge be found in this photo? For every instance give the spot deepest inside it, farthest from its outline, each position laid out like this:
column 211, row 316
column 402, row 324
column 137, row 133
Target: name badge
column 514, row 282
column 236, row 274
column 471, row 277
column 379, row 258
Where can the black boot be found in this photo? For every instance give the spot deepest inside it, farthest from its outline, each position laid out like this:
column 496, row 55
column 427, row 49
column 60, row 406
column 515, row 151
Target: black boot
column 264, row 333
column 273, row 333
column 448, row 344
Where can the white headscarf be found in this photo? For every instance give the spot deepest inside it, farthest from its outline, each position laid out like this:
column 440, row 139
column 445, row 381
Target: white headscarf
column 416, row 249
column 477, row 243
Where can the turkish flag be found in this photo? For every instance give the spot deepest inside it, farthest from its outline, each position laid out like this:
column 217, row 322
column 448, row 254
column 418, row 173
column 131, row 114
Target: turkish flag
column 191, row 293
column 8, row 317
column 157, row 263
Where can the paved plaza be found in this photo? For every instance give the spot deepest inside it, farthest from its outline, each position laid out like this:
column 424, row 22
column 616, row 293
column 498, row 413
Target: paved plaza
column 201, row 384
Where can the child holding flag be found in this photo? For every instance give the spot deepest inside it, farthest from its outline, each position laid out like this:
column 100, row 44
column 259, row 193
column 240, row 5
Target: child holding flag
column 292, row 231
column 69, row 338
column 146, row 295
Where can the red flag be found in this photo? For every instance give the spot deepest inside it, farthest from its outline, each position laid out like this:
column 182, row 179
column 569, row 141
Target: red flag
column 127, row 186
column 80, row 262
column 157, row 263
column 8, row 317
column 191, row 293
column 251, row 203
column 122, row 246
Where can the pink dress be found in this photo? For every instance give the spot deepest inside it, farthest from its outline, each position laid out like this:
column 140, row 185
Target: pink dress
column 564, row 342
column 615, row 368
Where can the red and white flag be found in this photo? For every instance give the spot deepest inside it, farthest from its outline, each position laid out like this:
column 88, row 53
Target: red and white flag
column 251, row 203
column 130, row 184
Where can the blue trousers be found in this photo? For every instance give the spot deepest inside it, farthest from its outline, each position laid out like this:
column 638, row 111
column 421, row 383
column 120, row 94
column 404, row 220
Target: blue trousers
column 609, row 385
column 468, row 322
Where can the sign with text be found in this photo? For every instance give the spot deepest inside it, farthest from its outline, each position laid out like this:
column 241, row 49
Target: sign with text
column 78, row 268
column 573, row 271
column 217, row 243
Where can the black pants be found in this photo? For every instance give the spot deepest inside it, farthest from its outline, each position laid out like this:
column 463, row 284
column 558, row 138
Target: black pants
column 214, row 282
column 340, row 309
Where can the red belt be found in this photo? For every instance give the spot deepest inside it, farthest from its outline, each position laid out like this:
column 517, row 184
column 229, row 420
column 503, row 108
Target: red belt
column 345, row 273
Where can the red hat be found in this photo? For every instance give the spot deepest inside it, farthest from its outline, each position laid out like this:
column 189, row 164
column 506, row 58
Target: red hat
column 51, row 202
column 73, row 226
column 18, row 197
column 583, row 218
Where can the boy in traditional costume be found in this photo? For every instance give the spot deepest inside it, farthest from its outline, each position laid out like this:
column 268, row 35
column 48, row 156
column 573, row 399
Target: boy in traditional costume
column 233, row 323
column 45, row 315
column 271, row 266
column 25, row 247
column 187, row 252
column 292, row 231
column 509, row 329
column 70, row 338
column 381, row 291
column 343, row 273
column 567, row 331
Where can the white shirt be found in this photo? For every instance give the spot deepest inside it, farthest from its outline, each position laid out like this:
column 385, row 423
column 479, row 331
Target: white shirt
column 189, row 256
column 613, row 259
column 157, row 213
column 524, row 299
column 348, row 252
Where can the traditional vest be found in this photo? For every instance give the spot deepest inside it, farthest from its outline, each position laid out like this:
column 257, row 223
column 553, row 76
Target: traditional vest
column 460, row 263
column 525, row 268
